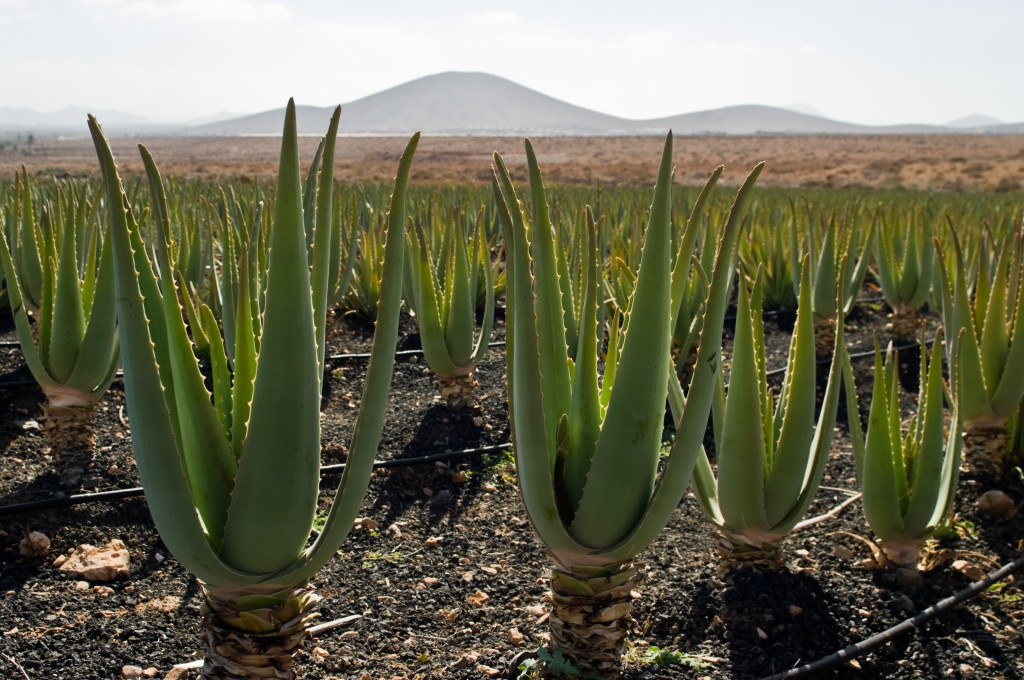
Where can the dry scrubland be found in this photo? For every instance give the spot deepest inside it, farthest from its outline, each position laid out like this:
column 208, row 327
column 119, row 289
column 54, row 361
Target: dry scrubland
column 937, row 162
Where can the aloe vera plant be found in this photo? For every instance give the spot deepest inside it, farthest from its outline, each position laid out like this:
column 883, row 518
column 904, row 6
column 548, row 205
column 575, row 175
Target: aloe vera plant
column 445, row 282
column 908, row 480
column 986, row 342
column 72, row 350
column 588, row 450
column 232, row 480
column 905, row 261
column 770, row 457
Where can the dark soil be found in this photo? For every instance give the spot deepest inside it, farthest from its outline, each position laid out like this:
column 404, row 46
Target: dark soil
column 449, row 533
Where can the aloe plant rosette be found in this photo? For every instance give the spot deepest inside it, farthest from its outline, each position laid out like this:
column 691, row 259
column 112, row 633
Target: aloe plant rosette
column 72, row 351
column 986, row 342
column 445, row 306
column 770, row 457
column 232, row 481
column 587, row 453
column 908, row 480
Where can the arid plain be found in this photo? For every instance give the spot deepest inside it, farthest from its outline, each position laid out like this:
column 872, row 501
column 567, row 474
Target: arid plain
column 954, row 162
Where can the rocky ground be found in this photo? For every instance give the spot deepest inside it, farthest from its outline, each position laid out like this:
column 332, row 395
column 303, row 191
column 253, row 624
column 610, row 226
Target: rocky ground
column 445, row 579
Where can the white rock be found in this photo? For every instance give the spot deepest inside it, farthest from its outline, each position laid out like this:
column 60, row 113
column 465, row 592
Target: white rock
column 104, row 563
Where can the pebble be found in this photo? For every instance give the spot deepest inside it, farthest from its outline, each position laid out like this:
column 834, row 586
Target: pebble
column 515, row 637
column 477, row 598
column 966, row 670
column 131, row 672
column 996, row 503
column 35, row 544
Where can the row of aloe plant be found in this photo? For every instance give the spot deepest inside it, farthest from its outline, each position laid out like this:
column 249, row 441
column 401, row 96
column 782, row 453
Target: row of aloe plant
column 210, row 462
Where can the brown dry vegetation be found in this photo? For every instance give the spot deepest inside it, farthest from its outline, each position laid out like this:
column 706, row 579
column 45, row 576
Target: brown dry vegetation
column 938, row 162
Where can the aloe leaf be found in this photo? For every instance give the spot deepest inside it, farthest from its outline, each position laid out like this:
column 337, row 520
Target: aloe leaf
column 376, row 386
column 792, row 463
column 245, row 361
column 428, row 313
column 625, row 460
column 281, row 453
column 585, row 406
column 684, row 254
column 154, row 437
column 323, row 239
column 824, row 301
column 929, row 463
column 1010, row 389
column 535, row 450
column 550, row 324
column 98, row 355
column 22, row 324
column 821, row 442
column 487, row 324
column 461, row 321
column 881, row 500
column 26, row 253
column 994, row 334
column 222, row 397
column 741, row 461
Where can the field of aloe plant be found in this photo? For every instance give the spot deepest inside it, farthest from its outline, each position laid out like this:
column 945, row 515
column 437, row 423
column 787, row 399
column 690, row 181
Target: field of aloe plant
column 508, row 429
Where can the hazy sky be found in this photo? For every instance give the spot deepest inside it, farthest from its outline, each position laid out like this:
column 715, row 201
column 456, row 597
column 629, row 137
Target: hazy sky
column 869, row 61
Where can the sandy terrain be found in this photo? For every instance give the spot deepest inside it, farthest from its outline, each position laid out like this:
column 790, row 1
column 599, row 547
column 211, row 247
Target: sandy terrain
column 941, row 162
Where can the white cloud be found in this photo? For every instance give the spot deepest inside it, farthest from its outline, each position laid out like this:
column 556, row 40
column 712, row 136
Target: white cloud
column 495, row 18
column 212, row 10
column 810, row 49
column 13, row 4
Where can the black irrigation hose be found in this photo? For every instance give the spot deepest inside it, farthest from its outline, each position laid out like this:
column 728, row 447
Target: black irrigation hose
column 499, row 343
column 399, row 353
column 876, row 641
column 118, row 494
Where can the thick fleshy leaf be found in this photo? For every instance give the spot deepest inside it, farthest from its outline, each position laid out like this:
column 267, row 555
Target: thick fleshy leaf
column 376, row 387
column 879, row 485
column 155, row 438
column 625, row 460
column 281, row 454
column 535, row 451
column 741, row 460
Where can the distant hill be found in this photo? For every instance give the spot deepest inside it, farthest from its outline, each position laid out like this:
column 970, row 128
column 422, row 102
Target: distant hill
column 460, row 103
column 975, row 121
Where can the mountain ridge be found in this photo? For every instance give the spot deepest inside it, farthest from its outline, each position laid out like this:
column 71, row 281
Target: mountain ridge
column 474, row 103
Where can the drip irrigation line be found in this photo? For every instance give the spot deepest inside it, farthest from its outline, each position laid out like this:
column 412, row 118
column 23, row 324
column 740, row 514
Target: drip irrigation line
column 118, row 494
column 924, row 616
column 499, row 343
column 399, row 353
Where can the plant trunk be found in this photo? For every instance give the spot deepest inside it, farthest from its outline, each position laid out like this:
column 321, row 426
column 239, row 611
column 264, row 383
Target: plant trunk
column 457, row 389
column 591, row 612
column 736, row 549
column 904, row 554
column 255, row 632
column 69, row 432
column 904, row 323
column 824, row 337
column 985, row 448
